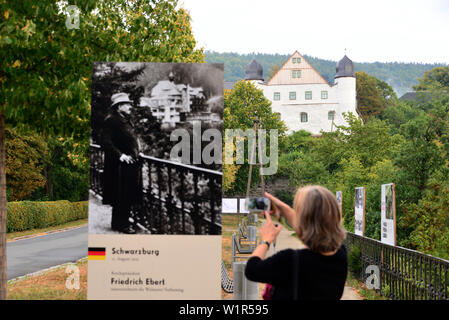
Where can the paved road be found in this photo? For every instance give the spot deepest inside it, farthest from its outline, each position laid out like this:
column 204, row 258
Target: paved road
column 34, row 254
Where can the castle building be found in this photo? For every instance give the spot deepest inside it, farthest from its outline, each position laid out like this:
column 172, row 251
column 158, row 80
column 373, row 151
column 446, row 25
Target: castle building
column 169, row 102
column 178, row 104
column 303, row 98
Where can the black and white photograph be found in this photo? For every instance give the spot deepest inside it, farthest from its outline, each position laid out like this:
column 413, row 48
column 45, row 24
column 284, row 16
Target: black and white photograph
column 389, row 206
column 359, row 211
column 338, row 196
column 156, row 148
column 359, row 198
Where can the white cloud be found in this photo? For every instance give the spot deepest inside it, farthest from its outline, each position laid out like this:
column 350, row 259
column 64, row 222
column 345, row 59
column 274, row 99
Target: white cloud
column 381, row 30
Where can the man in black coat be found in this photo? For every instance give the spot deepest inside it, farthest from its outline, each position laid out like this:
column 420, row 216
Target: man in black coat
column 122, row 175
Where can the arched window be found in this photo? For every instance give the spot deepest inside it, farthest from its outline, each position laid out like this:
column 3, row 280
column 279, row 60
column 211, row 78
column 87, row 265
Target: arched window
column 331, row 115
column 304, row 117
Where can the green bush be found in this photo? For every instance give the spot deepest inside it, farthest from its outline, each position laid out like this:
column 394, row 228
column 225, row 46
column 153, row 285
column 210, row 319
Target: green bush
column 354, row 261
column 26, row 215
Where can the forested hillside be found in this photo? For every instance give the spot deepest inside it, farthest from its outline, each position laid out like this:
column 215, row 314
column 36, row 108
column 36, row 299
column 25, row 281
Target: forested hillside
column 401, row 76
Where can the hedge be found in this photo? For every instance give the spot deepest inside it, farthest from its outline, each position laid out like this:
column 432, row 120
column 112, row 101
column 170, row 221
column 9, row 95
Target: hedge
column 26, row 215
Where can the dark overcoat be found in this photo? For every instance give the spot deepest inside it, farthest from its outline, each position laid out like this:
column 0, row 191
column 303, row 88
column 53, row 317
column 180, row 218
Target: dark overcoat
column 122, row 183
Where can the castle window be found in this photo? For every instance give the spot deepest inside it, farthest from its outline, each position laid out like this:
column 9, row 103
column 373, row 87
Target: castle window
column 331, row 115
column 304, row 117
column 277, row 96
column 292, row 95
column 323, row 94
column 296, row 74
column 308, row 95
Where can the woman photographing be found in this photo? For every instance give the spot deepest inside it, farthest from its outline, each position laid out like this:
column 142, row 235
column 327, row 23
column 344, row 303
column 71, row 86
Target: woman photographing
column 317, row 272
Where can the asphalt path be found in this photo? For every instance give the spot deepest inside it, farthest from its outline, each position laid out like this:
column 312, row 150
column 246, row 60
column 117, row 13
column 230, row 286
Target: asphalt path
column 42, row 252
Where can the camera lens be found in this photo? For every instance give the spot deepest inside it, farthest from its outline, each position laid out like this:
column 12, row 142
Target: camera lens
column 260, row 204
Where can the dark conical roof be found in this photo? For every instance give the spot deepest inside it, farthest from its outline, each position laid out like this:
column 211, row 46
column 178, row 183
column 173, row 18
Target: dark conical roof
column 345, row 68
column 254, row 71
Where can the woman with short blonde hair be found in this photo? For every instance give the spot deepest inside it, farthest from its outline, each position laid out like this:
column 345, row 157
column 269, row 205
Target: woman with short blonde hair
column 317, row 272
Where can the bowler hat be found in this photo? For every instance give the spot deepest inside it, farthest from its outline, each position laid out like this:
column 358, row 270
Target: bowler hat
column 120, row 97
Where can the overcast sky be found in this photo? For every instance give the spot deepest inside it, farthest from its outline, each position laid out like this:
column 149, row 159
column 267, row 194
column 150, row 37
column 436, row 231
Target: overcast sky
column 380, row 30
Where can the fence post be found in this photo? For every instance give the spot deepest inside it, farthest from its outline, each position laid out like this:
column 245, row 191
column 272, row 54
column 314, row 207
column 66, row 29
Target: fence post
column 252, row 236
column 244, row 289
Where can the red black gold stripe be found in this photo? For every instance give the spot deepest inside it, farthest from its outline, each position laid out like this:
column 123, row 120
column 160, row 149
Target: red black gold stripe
column 95, row 253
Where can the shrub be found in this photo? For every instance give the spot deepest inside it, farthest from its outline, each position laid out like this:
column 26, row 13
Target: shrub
column 355, row 264
column 26, row 215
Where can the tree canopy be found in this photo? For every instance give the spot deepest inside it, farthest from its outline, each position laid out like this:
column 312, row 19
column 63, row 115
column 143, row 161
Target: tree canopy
column 373, row 95
column 437, row 78
column 241, row 105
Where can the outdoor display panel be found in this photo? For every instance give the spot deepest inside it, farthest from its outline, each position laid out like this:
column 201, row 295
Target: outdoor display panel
column 243, row 206
column 339, row 197
column 155, row 181
column 388, row 214
column 359, row 226
column 229, row 205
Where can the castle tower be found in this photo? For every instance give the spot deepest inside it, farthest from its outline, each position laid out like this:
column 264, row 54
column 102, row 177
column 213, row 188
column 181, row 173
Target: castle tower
column 346, row 86
column 254, row 72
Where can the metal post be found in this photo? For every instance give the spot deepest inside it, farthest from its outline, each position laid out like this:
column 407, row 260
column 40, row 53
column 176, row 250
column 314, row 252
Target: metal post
column 244, row 289
column 252, row 236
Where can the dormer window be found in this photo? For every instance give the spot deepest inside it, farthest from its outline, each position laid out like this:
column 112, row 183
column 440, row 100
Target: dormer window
column 296, row 74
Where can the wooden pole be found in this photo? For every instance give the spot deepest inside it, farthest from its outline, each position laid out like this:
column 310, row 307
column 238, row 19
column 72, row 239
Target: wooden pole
column 364, row 212
column 2, row 207
column 394, row 214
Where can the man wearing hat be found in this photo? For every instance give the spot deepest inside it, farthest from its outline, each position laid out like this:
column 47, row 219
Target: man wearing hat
column 122, row 175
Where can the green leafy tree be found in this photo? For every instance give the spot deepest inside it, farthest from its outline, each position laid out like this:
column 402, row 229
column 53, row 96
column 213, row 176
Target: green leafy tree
column 296, row 141
column 45, row 67
column 400, row 113
column 25, row 159
column 273, row 70
column 241, row 105
column 429, row 222
column 418, row 158
column 435, row 79
column 370, row 100
column 67, row 170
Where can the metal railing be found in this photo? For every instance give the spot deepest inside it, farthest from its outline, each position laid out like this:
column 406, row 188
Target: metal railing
column 404, row 274
column 177, row 198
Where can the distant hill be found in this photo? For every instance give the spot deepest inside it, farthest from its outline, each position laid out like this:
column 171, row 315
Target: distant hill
column 401, row 76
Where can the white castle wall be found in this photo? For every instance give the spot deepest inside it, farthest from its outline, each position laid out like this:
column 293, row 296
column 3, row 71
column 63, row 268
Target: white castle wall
column 341, row 98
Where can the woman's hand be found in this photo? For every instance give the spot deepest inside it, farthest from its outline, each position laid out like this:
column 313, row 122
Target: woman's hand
column 269, row 231
column 278, row 203
column 283, row 208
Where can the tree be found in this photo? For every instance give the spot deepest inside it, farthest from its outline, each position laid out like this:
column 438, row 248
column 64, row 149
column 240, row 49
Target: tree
column 428, row 222
column 241, row 105
column 435, row 79
column 373, row 95
column 45, row 67
column 25, row 159
column 273, row 69
column 418, row 158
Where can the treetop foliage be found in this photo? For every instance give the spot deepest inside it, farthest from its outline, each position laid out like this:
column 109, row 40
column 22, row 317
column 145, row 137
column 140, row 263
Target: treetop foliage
column 46, row 68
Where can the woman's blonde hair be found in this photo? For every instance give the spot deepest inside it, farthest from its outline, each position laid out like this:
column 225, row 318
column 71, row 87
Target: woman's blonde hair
column 318, row 219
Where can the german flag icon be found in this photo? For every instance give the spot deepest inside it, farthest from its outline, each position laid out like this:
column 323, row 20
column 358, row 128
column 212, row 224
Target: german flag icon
column 96, row 254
